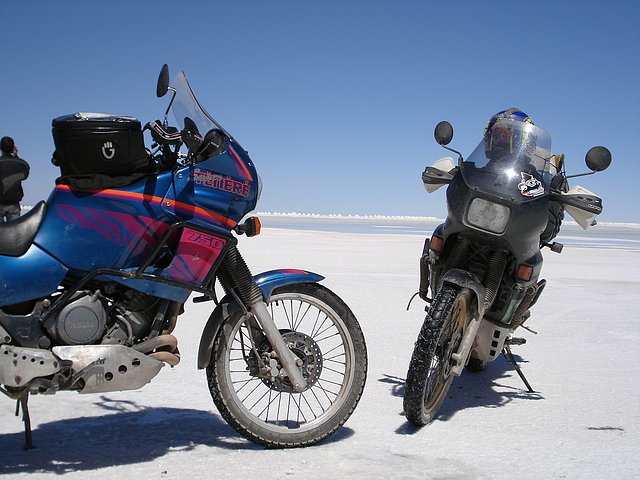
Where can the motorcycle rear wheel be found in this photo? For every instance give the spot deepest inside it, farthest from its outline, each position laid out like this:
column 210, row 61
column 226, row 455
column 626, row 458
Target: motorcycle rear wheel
column 323, row 332
column 429, row 376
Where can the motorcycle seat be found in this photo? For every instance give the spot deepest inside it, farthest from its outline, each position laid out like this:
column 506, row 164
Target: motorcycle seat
column 17, row 235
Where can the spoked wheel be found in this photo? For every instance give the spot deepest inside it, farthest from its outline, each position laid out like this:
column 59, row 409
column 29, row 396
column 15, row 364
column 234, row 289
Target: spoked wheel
column 429, row 376
column 247, row 382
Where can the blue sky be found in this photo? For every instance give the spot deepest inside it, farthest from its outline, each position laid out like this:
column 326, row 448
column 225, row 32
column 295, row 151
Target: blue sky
column 336, row 101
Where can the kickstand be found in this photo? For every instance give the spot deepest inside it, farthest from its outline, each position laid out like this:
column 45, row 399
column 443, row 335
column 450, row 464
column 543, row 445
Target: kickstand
column 22, row 403
column 509, row 356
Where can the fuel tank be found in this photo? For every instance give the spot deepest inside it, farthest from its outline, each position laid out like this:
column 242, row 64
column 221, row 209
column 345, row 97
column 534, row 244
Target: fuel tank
column 119, row 227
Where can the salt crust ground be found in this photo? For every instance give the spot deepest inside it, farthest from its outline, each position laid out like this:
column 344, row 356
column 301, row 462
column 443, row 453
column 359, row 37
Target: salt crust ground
column 583, row 422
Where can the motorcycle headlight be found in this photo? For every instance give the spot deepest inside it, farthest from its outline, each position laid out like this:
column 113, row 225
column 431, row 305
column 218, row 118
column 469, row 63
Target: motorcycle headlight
column 489, row 216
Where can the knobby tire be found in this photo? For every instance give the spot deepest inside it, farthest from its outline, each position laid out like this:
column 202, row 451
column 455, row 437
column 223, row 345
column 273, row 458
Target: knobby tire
column 427, row 381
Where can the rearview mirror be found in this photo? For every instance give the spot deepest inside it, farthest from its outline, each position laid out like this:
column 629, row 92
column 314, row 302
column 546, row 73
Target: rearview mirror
column 598, row 158
column 163, row 81
column 443, row 133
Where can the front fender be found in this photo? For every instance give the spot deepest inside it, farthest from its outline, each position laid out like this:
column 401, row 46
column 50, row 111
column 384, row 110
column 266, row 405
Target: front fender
column 468, row 280
column 267, row 282
column 225, row 309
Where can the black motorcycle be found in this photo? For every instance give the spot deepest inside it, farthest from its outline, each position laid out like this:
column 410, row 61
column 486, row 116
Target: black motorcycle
column 482, row 265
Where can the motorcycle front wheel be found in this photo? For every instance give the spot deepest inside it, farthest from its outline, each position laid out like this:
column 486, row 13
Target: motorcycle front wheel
column 324, row 334
column 429, row 376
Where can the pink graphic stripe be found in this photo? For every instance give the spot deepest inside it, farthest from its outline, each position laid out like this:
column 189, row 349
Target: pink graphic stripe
column 141, row 197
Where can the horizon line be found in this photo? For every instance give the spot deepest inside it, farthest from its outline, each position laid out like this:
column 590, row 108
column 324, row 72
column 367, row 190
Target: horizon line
column 340, row 216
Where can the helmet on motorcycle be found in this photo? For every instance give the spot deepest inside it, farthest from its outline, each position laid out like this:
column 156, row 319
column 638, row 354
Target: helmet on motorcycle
column 501, row 139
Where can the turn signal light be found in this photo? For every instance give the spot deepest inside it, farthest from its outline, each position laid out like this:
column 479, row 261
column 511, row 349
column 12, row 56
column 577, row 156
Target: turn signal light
column 251, row 227
column 436, row 244
column 524, row 272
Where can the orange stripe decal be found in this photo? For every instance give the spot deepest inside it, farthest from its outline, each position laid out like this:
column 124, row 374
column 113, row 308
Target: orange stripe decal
column 142, row 197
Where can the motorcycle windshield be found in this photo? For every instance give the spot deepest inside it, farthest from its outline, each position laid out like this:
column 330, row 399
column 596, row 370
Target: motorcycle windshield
column 187, row 109
column 513, row 161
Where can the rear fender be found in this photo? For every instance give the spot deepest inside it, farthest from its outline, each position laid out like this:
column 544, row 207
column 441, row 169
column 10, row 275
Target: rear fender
column 267, row 282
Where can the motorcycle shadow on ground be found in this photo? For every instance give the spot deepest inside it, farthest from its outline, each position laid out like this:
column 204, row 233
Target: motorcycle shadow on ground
column 133, row 434
column 494, row 387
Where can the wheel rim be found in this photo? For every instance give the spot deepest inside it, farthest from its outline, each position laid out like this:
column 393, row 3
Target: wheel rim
column 312, row 330
column 439, row 377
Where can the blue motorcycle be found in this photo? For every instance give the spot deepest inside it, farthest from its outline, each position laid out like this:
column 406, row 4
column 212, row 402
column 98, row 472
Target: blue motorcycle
column 92, row 281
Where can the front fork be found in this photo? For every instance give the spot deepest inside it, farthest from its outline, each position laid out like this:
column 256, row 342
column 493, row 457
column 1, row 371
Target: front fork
column 484, row 295
column 290, row 362
column 466, row 280
column 236, row 279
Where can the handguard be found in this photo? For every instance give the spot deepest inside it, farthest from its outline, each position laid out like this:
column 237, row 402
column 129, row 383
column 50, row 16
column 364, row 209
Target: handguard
column 439, row 174
column 582, row 204
column 170, row 136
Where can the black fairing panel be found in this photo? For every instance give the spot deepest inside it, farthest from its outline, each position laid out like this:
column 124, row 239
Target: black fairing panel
column 522, row 234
